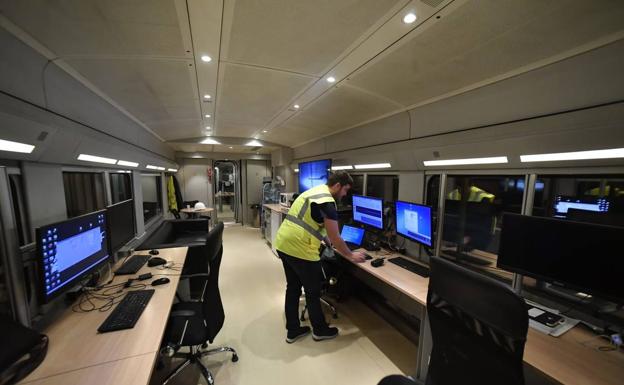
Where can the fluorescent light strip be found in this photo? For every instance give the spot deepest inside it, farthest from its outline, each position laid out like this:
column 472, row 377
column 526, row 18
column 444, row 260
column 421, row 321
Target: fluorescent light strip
column 126, row 163
column 372, row 165
column 336, row 168
column 172, row 169
column 254, row 143
column 7, row 145
column 457, row 162
column 149, row 166
column 96, row 159
column 209, row 141
column 576, row 155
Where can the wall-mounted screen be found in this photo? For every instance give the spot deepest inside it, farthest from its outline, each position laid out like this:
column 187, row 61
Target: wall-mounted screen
column 313, row 173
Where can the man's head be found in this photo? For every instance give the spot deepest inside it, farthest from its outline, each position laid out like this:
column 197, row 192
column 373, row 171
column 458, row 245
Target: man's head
column 339, row 183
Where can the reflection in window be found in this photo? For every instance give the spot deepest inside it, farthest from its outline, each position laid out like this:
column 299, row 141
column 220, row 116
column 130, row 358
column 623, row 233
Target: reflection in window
column 473, row 214
column 152, row 196
column 84, row 192
column 356, row 189
column 121, row 187
column 385, row 187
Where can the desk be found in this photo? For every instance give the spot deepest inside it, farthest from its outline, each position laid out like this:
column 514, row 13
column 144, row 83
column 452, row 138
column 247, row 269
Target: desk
column 78, row 354
column 194, row 213
column 277, row 213
column 565, row 359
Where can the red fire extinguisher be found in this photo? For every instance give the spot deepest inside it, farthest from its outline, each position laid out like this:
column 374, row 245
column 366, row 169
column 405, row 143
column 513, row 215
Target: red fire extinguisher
column 209, row 173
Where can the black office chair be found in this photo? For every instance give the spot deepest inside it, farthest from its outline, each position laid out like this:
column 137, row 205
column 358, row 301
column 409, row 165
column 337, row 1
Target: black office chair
column 478, row 327
column 193, row 324
column 328, row 280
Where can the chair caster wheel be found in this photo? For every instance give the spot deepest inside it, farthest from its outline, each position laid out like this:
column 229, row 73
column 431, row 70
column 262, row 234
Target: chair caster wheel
column 204, row 345
column 234, row 358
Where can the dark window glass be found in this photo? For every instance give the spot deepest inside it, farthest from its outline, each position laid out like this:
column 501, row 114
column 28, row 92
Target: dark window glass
column 356, row 189
column 121, row 187
column 152, row 196
column 84, row 192
column 19, row 209
column 385, row 187
column 473, row 212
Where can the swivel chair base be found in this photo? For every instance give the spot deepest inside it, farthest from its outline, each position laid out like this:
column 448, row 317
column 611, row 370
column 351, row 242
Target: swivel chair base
column 195, row 357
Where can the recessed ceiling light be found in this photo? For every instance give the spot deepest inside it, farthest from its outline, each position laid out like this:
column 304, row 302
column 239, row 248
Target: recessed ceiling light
column 455, row 162
column 296, row 106
column 265, row 131
column 7, row 145
column 409, row 18
column 296, row 170
column 231, row 147
column 253, row 143
column 96, row 159
column 126, row 163
column 209, row 141
column 207, row 115
column 331, row 79
column 206, row 58
column 610, row 153
column 207, row 96
column 208, row 128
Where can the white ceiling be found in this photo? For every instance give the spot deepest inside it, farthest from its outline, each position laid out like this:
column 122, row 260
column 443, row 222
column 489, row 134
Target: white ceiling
column 269, row 55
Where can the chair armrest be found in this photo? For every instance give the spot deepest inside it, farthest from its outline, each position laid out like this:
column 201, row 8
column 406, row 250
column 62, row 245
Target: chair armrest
column 182, row 313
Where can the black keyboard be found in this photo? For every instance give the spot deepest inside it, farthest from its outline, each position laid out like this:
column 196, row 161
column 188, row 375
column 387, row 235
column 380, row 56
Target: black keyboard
column 127, row 312
column 461, row 256
column 411, row 266
column 132, row 265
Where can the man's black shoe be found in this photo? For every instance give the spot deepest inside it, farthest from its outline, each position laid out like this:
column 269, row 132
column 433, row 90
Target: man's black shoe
column 293, row 336
column 325, row 334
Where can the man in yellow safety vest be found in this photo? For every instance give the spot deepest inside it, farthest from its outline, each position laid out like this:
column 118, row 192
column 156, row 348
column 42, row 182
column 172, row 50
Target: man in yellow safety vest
column 311, row 219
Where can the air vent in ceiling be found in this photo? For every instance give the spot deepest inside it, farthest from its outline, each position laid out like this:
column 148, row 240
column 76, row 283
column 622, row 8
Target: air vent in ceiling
column 432, row 3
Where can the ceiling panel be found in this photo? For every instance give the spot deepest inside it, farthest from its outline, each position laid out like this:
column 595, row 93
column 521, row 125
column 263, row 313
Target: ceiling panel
column 251, row 96
column 299, row 35
column 484, row 39
column 78, row 27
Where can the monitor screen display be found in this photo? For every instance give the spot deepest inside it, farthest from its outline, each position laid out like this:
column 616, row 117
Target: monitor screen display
column 582, row 256
column 353, row 235
column 368, row 211
column 413, row 221
column 120, row 224
column 313, row 173
column 70, row 250
column 564, row 203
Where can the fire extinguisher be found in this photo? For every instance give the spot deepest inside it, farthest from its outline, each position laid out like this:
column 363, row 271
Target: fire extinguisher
column 209, row 172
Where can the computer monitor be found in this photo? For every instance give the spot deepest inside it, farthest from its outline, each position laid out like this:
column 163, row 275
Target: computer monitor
column 585, row 257
column 564, row 203
column 352, row 235
column 414, row 221
column 120, row 224
column 313, row 173
column 368, row 211
column 70, row 250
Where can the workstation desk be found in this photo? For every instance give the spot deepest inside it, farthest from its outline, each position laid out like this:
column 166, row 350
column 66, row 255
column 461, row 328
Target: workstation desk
column 572, row 358
column 78, row 354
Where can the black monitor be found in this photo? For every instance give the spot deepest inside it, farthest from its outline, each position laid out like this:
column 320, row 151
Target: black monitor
column 470, row 224
column 582, row 256
column 368, row 211
column 313, row 173
column 414, row 221
column 70, row 250
column 120, row 224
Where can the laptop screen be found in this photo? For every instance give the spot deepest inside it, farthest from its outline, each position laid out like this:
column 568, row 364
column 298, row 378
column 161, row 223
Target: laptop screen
column 352, row 235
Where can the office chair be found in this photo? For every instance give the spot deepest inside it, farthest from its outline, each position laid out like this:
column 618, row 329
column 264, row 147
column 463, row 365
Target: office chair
column 193, row 324
column 478, row 328
column 327, row 282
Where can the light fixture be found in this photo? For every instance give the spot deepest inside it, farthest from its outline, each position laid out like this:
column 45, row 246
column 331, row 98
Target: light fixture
column 347, row 167
column 209, row 141
column 372, row 165
column 124, row 171
column 208, row 128
column 172, row 169
column 296, row 106
column 609, row 153
column 265, row 131
column 149, row 166
column 126, row 163
column 409, row 18
column 207, row 96
column 96, row 159
column 230, row 147
column 253, row 143
column 296, row 170
column 455, row 162
column 206, row 58
column 207, row 115
column 331, row 79
column 7, row 145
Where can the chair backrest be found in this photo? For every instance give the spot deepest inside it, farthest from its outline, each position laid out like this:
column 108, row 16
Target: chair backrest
column 211, row 298
column 478, row 326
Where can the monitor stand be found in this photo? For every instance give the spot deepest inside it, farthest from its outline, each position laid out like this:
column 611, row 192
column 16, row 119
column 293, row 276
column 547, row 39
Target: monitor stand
column 600, row 305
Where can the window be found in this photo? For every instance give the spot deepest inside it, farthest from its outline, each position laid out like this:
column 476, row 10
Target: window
column 385, row 187
column 84, row 192
column 121, row 187
column 19, row 209
column 356, row 189
column 152, row 196
column 473, row 212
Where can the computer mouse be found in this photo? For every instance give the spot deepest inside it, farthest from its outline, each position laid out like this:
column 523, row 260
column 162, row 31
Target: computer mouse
column 377, row 262
column 154, row 252
column 160, row 281
column 155, row 261
column 367, row 257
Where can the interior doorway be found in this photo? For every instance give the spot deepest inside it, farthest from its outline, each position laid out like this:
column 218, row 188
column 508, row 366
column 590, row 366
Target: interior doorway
column 227, row 190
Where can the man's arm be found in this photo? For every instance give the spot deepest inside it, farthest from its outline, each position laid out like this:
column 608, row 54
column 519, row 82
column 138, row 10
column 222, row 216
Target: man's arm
column 339, row 244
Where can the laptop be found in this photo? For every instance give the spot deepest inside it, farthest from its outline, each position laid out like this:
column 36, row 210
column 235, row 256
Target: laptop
column 352, row 236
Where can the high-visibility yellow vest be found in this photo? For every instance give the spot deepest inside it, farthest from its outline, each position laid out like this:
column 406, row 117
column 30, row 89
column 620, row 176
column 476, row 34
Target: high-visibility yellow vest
column 300, row 235
column 475, row 195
